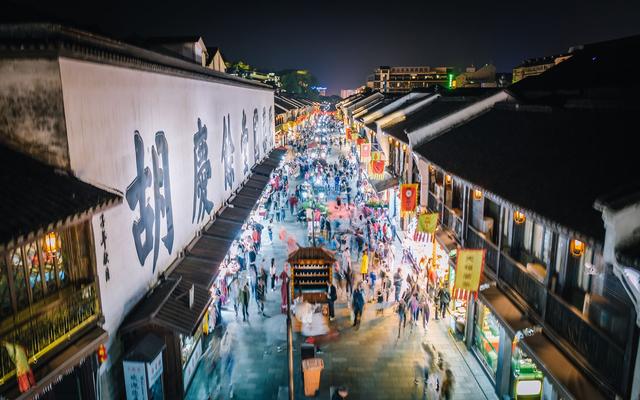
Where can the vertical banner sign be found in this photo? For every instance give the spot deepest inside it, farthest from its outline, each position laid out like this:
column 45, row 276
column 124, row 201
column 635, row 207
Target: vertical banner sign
column 365, row 152
column 469, row 269
column 348, row 132
column 427, row 222
column 408, row 197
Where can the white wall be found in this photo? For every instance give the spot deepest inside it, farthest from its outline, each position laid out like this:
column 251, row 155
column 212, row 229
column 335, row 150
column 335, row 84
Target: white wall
column 104, row 105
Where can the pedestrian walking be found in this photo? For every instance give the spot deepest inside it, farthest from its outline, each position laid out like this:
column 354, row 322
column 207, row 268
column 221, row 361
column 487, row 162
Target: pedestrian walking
column 364, row 265
column 401, row 310
column 444, row 298
column 272, row 273
column 284, row 290
column 341, row 393
column 270, row 231
column 426, row 312
column 260, row 295
column 414, row 305
column 397, row 283
column 332, row 296
column 349, row 280
column 358, row 306
column 380, row 303
column 245, row 295
column 234, row 291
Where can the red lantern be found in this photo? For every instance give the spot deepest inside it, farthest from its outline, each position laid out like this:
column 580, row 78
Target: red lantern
column 102, row 354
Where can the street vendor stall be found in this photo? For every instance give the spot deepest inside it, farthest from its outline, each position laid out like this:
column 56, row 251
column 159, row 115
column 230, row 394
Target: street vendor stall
column 311, row 271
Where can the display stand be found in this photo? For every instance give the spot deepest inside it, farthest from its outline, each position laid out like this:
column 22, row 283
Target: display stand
column 311, row 271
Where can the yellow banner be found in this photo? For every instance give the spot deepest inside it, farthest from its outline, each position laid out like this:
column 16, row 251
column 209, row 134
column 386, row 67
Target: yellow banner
column 427, row 222
column 469, row 269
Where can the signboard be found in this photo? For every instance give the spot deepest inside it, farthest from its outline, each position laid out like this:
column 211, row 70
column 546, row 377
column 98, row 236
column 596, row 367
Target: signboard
column 365, row 152
column 427, row 222
column 135, row 380
column 408, row 197
column 469, row 269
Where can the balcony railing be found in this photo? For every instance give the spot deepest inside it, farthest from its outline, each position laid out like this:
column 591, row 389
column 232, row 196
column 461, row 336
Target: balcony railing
column 527, row 286
column 596, row 347
column 45, row 328
column 602, row 353
column 476, row 240
column 433, row 203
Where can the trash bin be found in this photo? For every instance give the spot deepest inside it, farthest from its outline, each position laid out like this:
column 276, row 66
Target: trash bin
column 311, row 368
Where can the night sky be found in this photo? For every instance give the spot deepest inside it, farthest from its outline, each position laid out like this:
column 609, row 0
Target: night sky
column 341, row 43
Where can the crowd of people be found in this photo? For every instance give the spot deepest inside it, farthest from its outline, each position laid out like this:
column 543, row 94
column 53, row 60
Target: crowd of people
column 331, row 195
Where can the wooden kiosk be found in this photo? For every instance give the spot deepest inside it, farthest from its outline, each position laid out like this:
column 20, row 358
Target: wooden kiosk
column 311, row 270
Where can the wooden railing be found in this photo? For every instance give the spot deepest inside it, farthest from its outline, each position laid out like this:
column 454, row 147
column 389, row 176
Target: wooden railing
column 476, row 240
column 452, row 221
column 562, row 320
column 527, row 286
column 44, row 330
column 600, row 351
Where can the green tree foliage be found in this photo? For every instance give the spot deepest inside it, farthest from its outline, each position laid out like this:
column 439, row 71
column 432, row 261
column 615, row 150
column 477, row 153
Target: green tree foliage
column 299, row 82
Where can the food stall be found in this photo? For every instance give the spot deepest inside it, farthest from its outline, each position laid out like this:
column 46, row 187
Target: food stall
column 311, row 271
column 487, row 339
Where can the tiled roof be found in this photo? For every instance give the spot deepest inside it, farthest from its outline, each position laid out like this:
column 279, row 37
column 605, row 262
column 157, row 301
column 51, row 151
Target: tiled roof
column 37, row 198
column 552, row 162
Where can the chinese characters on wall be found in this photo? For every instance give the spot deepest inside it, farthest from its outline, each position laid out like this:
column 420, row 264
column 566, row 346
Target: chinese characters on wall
column 244, row 145
column 103, row 244
column 201, row 174
column 146, row 228
column 227, row 152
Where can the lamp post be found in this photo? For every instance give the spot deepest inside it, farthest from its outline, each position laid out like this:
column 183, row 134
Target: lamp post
column 290, row 340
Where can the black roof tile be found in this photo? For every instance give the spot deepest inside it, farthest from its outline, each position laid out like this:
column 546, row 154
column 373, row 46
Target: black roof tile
column 37, row 198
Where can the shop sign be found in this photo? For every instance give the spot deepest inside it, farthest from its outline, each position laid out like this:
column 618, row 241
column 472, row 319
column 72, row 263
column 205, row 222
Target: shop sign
column 408, row 197
column 469, row 269
column 154, row 369
column 427, row 222
column 365, row 152
column 190, row 366
column 135, row 380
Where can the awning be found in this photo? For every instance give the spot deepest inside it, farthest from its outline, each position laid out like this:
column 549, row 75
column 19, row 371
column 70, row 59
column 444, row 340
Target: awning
column 382, row 185
column 234, row 214
column 223, row 229
column 43, row 198
column 49, row 372
column 263, row 169
column 555, row 365
column 167, row 306
column 210, row 249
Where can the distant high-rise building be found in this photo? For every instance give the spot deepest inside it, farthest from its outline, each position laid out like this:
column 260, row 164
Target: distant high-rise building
column 536, row 66
column 344, row 93
column 404, row 79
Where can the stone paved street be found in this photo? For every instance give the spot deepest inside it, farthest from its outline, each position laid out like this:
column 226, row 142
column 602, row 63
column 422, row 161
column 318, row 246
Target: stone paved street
column 371, row 361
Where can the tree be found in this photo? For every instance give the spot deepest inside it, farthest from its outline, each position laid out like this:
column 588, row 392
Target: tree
column 299, row 82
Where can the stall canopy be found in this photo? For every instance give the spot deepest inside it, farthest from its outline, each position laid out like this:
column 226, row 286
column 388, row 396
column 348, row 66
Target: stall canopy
column 271, row 162
column 167, row 306
column 549, row 358
column 311, row 253
column 43, row 198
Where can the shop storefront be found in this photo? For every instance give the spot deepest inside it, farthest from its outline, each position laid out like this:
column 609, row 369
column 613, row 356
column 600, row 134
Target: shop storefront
column 486, row 339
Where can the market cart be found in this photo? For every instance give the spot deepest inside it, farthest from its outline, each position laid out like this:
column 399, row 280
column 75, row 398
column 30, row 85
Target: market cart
column 311, row 270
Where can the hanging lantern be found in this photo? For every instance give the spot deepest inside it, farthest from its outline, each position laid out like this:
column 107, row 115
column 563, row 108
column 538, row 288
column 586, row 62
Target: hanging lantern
column 51, row 242
column 477, row 194
column 102, row 354
column 519, row 217
column 447, row 179
column 404, row 147
column 577, row 248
